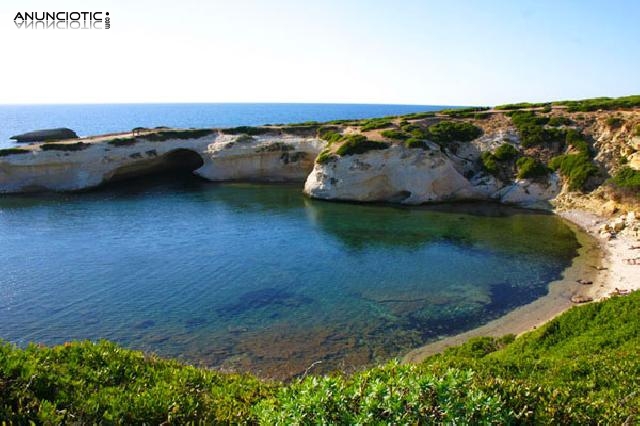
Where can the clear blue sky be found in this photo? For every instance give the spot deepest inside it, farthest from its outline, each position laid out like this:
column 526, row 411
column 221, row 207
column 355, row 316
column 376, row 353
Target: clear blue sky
column 419, row 52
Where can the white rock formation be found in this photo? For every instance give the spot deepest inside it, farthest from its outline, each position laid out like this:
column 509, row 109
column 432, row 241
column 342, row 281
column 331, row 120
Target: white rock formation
column 416, row 176
column 224, row 157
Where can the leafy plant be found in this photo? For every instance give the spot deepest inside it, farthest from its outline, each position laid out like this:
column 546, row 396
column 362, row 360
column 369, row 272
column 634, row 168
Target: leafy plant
column 394, row 134
column 602, row 103
column 529, row 167
column 359, row 144
column 558, row 121
column 12, row 151
column 506, row 151
column 77, row 146
column 122, row 141
column 626, row 177
column 449, row 131
column 416, row 143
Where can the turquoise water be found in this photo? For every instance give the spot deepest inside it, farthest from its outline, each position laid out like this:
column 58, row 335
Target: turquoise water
column 258, row 277
column 98, row 119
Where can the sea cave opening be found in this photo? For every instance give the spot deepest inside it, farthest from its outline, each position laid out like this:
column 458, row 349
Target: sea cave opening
column 176, row 164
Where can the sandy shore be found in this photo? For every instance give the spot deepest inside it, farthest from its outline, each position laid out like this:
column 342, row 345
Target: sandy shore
column 599, row 260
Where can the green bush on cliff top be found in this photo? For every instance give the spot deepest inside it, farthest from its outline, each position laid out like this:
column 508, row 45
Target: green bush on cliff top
column 450, row 131
column 359, row 144
column 11, row 151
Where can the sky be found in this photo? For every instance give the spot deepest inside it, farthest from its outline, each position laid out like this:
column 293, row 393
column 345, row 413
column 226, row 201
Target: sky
column 462, row 52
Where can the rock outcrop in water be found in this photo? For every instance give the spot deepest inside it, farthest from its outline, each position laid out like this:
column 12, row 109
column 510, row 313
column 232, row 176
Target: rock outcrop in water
column 43, row 135
column 550, row 156
column 207, row 153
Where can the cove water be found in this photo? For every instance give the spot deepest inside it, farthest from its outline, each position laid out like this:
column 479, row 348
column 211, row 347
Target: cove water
column 258, row 277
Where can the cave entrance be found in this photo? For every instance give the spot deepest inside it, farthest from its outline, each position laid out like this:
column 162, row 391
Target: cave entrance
column 178, row 164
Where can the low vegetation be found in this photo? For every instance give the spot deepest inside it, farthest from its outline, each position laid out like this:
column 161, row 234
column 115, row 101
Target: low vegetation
column 376, row 123
column 614, row 122
column 495, row 162
column 627, row 178
column 77, row 146
column 122, row 141
column 603, row 103
column 558, row 121
column 246, row 130
column 580, row 368
column 12, row 151
column 471, row 112
column 359, row 144
column 450, row 131
column 394, row 134
column 177, row 134
column 576, row 166
column 532, row 130
column 325, row 156
column 522, row 105
column 529, row 167
column 415, row 143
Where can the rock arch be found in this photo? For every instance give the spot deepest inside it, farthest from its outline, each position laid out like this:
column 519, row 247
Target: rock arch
column 177, row 161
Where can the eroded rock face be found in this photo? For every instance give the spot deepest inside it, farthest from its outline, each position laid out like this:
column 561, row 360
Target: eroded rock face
column 223, row 157
column 416, row 176
column 61, row 133
column 262, row 158
column 397, row 174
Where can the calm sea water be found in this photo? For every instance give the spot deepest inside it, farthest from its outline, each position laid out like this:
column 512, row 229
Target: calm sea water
column 97, row 119
column 259, row 278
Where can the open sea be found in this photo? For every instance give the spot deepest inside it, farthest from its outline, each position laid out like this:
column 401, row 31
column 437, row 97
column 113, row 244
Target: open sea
column 250, row 277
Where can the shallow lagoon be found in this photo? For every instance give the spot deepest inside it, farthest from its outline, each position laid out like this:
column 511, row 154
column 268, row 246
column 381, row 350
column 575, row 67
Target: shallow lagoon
column 259, row 278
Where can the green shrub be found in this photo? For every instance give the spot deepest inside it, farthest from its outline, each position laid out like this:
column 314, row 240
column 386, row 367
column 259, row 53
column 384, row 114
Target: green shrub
column 247, row 130
column 558, row 121
column 506, row 151
column 85, row 382
column 577, row 168
column 614, row 122
column 77, row 146
column 325, row 157
column 359, row 144
column 376, row 123
column 419, row 115
column 394, row 134
column 11, row 151
column 392, row 394
column 415, row 131
column 532, row 131
column 529, row 167
column 627, row 177
column 450, row 131
column 603, row 103
column 414, row 143
column 276, row 147
column 482, row 116
column 490, row 163
column 522, row 105
column 636, row 132
column 245, row 139
column 178, row 134
column 575, row 139
column 472, row 112
column 330, row 136
column 122, row 141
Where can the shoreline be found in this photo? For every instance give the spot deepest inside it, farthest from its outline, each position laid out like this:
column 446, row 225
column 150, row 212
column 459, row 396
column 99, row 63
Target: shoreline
column 598, row 260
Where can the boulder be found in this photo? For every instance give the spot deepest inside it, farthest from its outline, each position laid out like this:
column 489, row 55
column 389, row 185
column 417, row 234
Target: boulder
column 46, row 135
